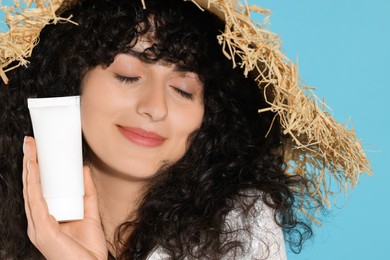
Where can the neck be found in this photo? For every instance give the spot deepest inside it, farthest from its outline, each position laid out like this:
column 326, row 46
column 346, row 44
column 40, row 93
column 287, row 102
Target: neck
column 119, row 199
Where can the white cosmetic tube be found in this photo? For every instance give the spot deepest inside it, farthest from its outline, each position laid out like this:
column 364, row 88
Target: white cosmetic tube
column 57, row 131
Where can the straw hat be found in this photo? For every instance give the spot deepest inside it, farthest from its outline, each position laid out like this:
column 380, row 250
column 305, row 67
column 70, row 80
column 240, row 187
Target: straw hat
column 318, row 148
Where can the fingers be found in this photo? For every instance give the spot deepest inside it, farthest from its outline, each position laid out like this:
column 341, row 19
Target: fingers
column 29, row 149
column 35, row 205
column 91, row 209
column 43, row 230
column 27, row 156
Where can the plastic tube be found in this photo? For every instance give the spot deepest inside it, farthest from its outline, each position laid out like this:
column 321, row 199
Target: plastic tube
column 57, row 131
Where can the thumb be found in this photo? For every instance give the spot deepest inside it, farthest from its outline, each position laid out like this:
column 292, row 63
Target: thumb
column 91, row 209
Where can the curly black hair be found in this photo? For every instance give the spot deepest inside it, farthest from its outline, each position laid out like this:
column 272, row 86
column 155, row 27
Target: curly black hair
column 231, row 155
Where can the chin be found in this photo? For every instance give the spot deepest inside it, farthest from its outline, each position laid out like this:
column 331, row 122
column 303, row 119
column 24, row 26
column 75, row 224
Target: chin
column 138, row 172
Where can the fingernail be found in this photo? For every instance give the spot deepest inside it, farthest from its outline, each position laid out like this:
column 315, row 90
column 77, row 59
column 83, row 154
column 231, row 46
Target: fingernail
column 24, row 143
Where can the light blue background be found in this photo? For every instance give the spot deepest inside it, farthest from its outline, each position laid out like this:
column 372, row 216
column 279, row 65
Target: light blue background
column 343, row 49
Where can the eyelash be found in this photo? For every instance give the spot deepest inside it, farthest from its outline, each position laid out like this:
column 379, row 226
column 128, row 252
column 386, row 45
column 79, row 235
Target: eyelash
column 184, row 94
column 125, row 79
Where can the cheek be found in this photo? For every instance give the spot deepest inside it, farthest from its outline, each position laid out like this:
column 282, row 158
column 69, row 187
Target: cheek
column 190, row 120
column 89, row 119
column 94, row 117
column 88, row 122
column 186, row 124
column 98, row 106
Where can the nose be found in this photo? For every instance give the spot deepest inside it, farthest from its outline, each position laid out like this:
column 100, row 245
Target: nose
column 152, row 102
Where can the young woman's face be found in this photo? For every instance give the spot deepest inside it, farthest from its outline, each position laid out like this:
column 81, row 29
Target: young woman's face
column 137, row 116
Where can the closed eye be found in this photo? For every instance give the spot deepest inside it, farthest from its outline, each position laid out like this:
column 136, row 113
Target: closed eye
column 125, row 79
column 183, row 93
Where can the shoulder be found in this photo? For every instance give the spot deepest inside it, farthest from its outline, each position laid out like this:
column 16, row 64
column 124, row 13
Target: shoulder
column 261, row 237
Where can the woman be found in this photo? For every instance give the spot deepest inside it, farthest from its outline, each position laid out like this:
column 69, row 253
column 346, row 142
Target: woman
column 179, row 163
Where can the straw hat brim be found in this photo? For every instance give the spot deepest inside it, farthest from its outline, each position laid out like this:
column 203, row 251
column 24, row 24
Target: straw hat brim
column 317, row 147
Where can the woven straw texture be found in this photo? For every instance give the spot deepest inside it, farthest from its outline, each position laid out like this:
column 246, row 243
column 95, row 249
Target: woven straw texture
column 316, row 146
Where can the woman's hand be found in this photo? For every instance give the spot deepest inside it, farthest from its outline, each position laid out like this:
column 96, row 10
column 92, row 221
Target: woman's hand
column 83, row 239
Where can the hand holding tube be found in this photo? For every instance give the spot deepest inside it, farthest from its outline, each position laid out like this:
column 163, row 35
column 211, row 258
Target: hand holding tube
column 82, row 239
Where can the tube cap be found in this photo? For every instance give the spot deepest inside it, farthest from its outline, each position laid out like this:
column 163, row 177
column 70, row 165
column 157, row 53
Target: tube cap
column 66, row 208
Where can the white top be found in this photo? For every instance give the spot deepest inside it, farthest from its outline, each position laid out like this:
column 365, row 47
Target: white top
column 265, row 241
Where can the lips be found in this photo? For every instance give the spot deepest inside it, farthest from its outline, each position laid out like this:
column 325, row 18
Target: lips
column 141, row 137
